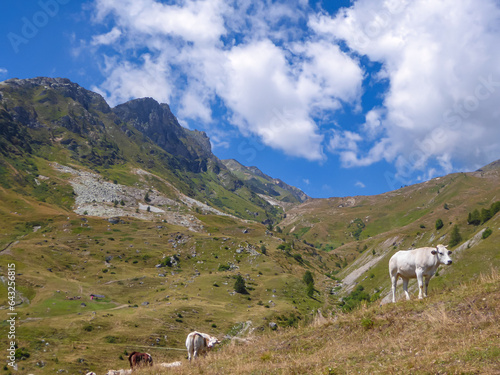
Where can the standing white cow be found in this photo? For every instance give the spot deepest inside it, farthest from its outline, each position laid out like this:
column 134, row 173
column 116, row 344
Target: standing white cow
column 418, row 263
column 199, row 343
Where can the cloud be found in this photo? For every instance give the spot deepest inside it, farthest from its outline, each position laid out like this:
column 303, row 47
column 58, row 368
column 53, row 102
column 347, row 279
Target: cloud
column 282, row 71
column 3, row 71
column 263, row 95
column 126, row 80
column 359, row 184
column 441, row 63
column 306, row 181
column 193, row 21
column 243, row 56
column 107, row 38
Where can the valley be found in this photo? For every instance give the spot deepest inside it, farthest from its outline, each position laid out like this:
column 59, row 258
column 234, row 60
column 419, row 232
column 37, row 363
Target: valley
column 128, row 233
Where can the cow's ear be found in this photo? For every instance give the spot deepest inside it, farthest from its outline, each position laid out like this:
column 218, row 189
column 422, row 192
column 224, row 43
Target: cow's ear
column 433, row 252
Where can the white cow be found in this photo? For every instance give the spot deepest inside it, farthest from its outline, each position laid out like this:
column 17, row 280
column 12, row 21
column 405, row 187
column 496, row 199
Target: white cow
column 199, row 343
column 119, row 372
column 418, row 263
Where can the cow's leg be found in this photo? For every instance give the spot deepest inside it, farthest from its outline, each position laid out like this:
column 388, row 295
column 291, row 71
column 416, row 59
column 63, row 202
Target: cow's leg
column 394, row 279
column 405, row 287
column 427, row 279
column 420, row 280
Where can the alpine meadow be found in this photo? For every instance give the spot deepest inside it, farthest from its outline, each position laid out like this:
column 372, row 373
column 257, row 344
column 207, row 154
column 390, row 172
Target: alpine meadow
column 122, row 232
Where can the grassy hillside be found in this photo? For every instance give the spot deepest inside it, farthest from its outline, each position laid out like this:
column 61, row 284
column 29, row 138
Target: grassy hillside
column 90, row 205
column 454, row 332
column 62, row 258
column 396, row 220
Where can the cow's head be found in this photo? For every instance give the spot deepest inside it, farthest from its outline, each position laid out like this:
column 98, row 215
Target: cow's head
column 212, row 341
column 443, row 254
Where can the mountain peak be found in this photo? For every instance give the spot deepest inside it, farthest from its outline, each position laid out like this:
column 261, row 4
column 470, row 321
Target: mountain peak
column 64, row 86
column 490, row 167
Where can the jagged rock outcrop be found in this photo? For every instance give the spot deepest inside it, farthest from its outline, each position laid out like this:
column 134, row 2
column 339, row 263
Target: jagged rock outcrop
column 191, row 148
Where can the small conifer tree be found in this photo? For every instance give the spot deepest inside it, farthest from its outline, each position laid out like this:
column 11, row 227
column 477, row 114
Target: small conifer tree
column 455, row 237
column 239, row 285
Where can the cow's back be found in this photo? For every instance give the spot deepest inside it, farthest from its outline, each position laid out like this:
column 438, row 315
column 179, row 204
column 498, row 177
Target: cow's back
column 406, row 262
column 402, row 262
column 195, row 344
column 199, row 343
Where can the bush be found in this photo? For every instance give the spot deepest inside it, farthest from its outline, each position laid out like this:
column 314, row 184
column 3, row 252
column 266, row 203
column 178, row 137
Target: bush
column 439, row 224
column 353, row 300
column 487, row 233
column 22, row 354
column 285, row 247
column 367, row 323
column 485, row 215
column 223, row 267
column 308, row 278
column 358, row 226
column 310, row 290
column 298, row 258
column 495, row 207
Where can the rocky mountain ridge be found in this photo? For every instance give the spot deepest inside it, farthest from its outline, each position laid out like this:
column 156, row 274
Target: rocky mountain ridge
column 264, row 184
column 58, row 120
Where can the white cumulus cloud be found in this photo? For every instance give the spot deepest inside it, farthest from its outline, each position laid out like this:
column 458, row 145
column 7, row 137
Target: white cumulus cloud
column 272, row 82
column 281, row 71
column 441, row 63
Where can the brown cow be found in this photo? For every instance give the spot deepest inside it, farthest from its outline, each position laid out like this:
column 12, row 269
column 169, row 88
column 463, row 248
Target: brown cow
column 140, row 359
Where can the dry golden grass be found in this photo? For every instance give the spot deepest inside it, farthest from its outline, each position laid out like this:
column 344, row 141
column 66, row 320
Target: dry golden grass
column 452, row 333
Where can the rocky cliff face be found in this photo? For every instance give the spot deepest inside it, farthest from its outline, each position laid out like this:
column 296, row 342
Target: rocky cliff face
column 42, row 111
column 156, row 121
column 48, row 88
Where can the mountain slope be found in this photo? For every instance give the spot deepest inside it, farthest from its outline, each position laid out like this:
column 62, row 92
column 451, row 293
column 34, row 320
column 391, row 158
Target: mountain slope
column 272, row 189
column 91, row 204
column 365, row 231
column 57, row 120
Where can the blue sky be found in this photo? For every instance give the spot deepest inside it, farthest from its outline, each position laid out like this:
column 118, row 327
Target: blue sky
column 337, row 98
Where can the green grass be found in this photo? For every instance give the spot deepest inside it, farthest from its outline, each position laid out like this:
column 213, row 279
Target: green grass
column 144, row 310
column 57, row 306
